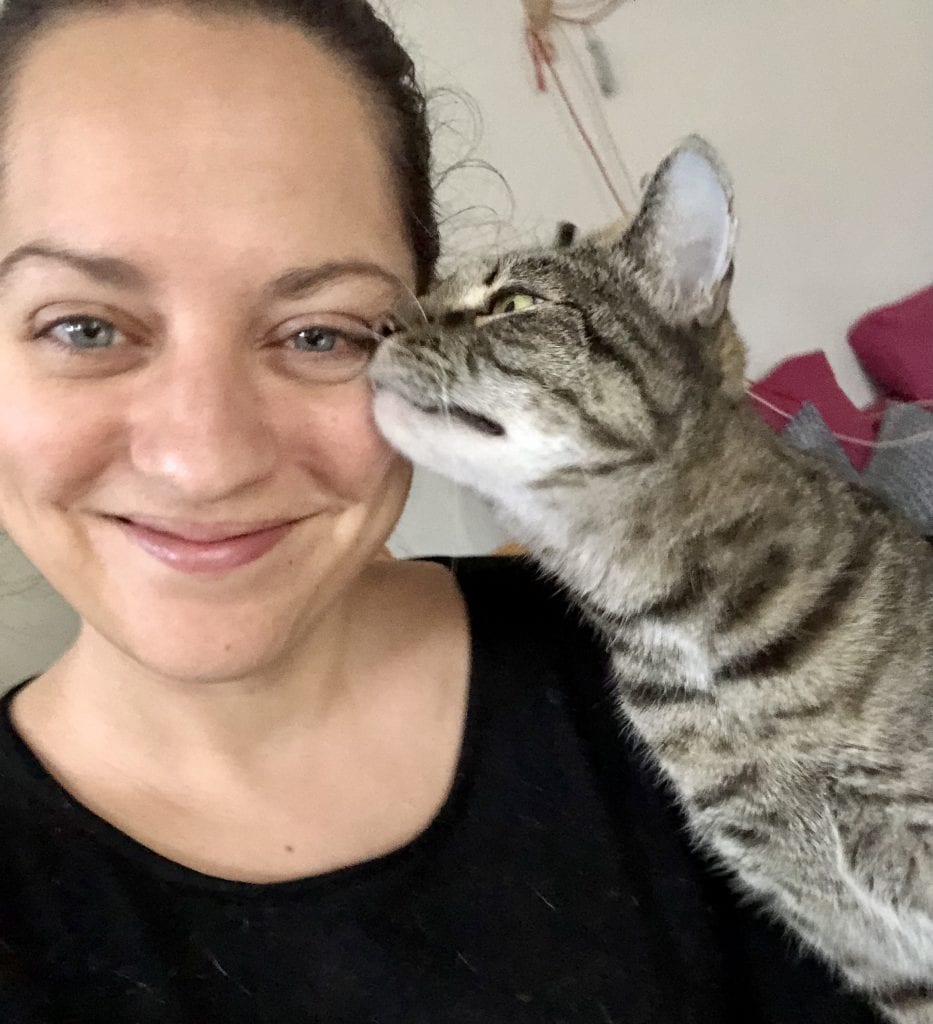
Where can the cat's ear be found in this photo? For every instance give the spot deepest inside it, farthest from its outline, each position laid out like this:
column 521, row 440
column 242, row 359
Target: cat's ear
column 683, row 237
column 565, row 235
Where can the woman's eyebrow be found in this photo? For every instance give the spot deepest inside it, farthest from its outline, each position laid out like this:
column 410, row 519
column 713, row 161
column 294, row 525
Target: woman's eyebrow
column 106, row 269
column 295, row 284
column 122, row 273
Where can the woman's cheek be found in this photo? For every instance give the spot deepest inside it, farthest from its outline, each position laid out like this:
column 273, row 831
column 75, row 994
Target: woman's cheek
column 53, row 444
column 344, row 442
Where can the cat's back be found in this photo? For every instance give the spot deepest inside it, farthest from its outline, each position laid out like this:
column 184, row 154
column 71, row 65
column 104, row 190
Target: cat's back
column 842, row 616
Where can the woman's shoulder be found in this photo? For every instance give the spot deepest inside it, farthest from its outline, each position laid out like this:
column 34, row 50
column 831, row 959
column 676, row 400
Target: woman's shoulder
column 516, row 592
column 526, row 636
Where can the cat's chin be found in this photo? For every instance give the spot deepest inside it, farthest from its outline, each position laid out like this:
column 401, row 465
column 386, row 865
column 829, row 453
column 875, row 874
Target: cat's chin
column 472, row 450
column 449, row 414
column 439, row 439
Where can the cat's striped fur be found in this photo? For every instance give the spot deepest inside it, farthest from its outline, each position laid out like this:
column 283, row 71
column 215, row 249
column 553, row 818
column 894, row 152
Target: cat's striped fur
column 771, row 626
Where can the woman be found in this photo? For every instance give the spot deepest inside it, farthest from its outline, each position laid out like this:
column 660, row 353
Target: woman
column 277, row 778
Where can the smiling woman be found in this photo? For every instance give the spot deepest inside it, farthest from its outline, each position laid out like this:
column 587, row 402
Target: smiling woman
column 159, row 306
column 277, row 777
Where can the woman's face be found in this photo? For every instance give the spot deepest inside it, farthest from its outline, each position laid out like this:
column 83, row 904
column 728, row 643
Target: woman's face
column 198, row 227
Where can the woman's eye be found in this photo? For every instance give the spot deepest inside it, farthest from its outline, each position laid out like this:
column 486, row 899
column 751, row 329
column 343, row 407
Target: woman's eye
column 83, row 333
column 334, row 341
column 317, row 339
column 329, row 354
column 514, row 303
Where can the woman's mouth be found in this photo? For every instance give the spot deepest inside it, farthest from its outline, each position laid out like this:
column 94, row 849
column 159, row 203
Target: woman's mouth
column 203, row 548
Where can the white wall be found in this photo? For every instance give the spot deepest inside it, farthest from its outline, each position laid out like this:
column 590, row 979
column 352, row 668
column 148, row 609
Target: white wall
column 823, row 110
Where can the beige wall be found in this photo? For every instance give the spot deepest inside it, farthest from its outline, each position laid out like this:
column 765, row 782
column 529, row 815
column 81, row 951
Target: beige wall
column 822, row 109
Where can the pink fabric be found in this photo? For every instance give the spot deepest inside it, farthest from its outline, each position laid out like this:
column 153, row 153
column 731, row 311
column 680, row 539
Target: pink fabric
column 894, row 344
column 810, row 378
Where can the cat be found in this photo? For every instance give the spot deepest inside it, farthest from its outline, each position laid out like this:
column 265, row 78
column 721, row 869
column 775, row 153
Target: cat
column 770, row 625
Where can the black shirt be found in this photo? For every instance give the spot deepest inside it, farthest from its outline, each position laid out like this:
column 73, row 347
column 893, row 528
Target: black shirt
column 555, row 886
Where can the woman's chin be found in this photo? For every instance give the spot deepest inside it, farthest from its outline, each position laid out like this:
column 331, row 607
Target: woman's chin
column 212, row 650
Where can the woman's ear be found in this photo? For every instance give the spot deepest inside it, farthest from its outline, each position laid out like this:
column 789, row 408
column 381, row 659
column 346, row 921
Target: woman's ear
column 682, row 240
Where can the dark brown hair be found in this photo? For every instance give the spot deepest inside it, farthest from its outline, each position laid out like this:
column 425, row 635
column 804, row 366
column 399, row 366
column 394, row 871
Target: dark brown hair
column 350, row 29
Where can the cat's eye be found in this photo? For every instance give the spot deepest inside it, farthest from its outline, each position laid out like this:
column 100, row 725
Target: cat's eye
column 516, row 302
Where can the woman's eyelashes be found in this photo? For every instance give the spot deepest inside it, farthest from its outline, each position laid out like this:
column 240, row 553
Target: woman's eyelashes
column 87, row 333
column 76, row 334
column 320, row 353
column 322, row 340
column 325, row 347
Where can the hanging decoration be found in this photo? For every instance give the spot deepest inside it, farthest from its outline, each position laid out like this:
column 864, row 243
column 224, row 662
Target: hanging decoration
column 543, row 18
column 543, row 15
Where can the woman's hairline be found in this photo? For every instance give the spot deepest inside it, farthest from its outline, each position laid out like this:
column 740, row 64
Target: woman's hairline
column 14, row 58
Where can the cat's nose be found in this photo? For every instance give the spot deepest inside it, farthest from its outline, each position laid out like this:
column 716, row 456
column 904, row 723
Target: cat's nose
column 387, row 327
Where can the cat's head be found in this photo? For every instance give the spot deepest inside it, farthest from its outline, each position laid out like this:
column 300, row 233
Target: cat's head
column 588, row 358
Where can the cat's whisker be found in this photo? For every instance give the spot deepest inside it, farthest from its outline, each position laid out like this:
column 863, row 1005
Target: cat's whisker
column 444, row 392
column 411, row 294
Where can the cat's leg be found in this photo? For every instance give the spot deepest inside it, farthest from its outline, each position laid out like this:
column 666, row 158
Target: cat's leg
column 896, row 863
column 850, row 872
column 831, row 887
column 893, row 850
column 907, row 1009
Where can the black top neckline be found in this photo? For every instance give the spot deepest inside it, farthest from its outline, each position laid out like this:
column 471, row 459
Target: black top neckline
column 48, row 788
column 555, row 883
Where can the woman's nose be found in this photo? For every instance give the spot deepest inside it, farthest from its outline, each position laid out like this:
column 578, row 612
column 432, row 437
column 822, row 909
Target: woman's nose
column 203, row 429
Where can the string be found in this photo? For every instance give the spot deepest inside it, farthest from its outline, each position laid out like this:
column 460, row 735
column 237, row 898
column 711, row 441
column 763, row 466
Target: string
column 588, row 141
column 902, row 442
column 599, row 112
column 543, row 56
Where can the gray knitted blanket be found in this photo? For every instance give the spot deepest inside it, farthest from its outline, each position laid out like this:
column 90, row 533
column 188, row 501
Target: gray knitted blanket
column 902, row 475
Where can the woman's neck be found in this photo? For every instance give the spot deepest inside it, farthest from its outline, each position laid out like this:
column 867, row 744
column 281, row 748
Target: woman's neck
column 280, row 775
column 110, row 699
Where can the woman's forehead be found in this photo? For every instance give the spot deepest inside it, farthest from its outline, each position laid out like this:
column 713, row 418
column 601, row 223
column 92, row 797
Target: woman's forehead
column 157, row 128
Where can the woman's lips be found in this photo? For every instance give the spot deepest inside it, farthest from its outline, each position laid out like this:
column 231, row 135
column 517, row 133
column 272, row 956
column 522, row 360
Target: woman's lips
column 205, row 547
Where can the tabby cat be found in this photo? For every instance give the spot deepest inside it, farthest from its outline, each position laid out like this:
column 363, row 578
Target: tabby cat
column 771, row 626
